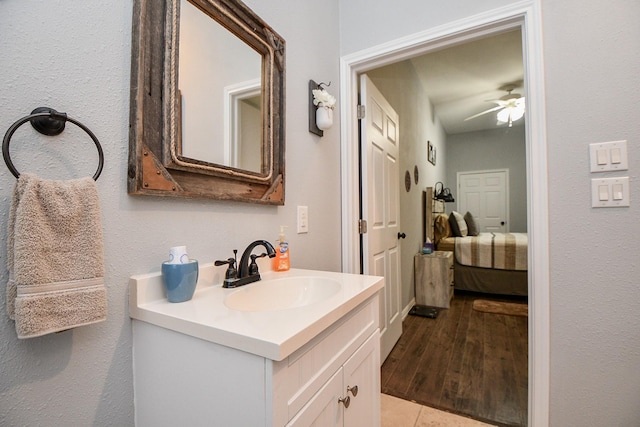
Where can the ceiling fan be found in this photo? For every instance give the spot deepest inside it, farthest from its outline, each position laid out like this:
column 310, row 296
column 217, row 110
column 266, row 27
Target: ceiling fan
column 510, row 107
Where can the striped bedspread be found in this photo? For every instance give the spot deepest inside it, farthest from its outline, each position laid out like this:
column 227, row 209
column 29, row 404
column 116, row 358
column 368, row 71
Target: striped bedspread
column 503, row 251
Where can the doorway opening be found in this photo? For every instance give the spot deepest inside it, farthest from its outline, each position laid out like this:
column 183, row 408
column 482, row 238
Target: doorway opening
column 525, row 16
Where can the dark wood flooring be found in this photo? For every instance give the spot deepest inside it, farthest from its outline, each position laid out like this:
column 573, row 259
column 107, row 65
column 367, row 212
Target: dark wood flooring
column 464, row 361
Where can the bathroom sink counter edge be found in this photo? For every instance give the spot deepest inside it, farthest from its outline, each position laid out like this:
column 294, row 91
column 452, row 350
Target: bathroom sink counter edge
column 271, row 334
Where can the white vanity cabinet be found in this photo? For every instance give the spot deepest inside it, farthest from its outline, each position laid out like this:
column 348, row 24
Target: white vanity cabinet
column 350, row 396
column 184, row 380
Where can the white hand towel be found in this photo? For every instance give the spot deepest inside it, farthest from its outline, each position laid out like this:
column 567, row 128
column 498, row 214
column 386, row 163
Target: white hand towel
column 55, row 256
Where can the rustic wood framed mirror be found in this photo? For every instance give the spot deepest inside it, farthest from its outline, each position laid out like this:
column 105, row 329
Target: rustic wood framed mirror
column 217, row 132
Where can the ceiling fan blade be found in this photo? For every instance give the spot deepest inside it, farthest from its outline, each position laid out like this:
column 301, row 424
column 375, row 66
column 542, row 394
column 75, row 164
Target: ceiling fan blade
column 499, row 107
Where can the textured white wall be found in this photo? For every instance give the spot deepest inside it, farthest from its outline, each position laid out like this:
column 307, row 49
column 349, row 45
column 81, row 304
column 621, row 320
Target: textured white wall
column 74, row 56
column 367, row 23
column 592, row 75
column 592, row 70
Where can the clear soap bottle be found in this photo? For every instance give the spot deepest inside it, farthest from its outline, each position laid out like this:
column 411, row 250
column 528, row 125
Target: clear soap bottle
column 281, row 260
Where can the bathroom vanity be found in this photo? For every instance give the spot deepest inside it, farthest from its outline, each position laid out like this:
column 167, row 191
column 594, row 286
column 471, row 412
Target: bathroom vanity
column 297, row 348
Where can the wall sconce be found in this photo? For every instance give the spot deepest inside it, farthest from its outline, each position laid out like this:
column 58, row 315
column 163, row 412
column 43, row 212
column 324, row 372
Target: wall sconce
column 321, row 105
column 442, row 193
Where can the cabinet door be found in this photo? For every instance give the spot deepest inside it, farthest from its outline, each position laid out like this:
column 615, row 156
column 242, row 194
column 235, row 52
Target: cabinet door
column 362, row 370
column 323, row 409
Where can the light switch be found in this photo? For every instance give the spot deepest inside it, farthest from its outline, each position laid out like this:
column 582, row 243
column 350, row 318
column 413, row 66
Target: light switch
column 616, row 156
column 617, row 192
column 603, row 191
column 608, row 156
column 610, row 192
column 602, row 156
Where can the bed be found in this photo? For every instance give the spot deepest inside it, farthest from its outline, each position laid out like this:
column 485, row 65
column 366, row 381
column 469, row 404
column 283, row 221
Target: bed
column 493, row 263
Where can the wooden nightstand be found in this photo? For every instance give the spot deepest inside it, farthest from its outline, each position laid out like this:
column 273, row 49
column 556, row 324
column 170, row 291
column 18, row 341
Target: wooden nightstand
column 434, row 278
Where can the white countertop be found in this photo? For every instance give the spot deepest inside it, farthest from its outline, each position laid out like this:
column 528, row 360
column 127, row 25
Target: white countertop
column 271, row 334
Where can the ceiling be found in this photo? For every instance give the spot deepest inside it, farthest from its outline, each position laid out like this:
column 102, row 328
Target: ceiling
column 461, row 80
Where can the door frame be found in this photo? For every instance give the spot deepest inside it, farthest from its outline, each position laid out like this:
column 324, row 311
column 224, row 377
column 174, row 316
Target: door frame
column 525, row 15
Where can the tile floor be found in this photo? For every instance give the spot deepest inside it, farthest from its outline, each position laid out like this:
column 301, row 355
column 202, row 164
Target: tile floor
column 403, row 413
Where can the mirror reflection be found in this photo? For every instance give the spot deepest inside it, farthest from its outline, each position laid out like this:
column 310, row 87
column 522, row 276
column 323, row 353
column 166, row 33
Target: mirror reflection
column 219, row 81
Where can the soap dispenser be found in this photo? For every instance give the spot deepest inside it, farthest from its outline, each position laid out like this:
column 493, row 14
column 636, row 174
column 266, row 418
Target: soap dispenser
column 281, row 260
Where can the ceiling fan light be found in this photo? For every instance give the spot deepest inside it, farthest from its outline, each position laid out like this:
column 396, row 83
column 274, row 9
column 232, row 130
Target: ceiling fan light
column 504, row 115
column 517, row 113
column 510, row 114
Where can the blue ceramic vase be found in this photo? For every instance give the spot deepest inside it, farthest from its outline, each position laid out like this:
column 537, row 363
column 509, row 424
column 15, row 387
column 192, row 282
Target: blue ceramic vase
column 180, row 280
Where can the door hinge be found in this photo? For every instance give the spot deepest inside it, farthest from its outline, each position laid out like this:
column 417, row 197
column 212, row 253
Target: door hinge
column 360, row 112
column 362, row 226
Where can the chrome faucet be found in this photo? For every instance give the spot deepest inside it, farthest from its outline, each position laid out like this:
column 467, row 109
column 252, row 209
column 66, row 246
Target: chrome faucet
column 246, row 272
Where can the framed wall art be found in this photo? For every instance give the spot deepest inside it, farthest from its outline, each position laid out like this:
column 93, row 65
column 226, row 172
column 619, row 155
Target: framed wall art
column 431, row 153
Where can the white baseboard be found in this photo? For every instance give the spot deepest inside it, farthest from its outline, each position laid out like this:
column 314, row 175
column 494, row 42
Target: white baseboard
column 405, row 310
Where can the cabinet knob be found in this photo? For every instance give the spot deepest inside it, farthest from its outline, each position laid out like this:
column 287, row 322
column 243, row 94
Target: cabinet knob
column 401, row 235
column 353, row 390
column 346, row 401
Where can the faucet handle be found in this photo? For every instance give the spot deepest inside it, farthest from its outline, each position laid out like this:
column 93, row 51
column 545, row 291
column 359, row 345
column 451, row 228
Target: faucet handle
column 230, row 261
column 232, row 272
column 253, row 267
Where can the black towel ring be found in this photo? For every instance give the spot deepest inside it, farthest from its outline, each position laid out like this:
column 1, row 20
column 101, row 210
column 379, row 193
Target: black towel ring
column 50, row 122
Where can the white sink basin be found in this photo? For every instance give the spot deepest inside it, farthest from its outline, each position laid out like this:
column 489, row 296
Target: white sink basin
column 282, row 294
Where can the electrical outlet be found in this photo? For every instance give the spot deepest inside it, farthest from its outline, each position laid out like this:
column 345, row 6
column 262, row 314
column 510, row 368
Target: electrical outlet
column 303, row 219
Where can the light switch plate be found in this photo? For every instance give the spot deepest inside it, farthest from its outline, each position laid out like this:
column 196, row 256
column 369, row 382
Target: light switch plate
column 303, row 219
column 608, row 156
column 610, row 192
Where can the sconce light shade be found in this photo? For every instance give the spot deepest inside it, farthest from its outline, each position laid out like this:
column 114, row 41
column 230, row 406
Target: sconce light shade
column 321, row 105
column 442, row 193
column 324, row 118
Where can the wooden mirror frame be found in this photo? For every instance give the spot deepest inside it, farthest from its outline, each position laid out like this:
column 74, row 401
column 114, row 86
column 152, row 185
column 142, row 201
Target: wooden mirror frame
column 156, row 167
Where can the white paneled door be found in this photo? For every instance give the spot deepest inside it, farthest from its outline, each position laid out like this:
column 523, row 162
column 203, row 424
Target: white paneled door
column 381, row 207
column 486, row 195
